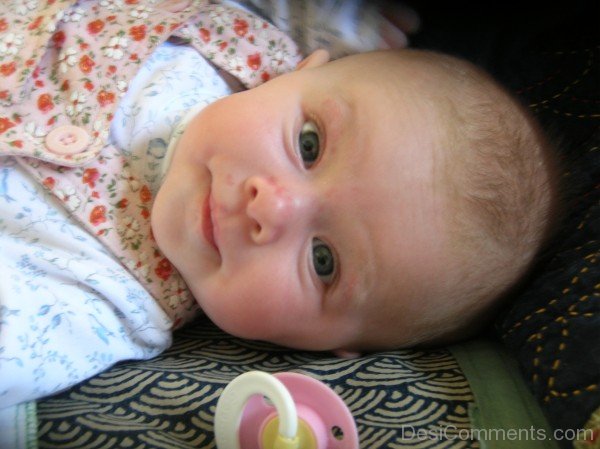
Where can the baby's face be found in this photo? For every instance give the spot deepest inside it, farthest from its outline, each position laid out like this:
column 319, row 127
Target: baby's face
column 300, row 211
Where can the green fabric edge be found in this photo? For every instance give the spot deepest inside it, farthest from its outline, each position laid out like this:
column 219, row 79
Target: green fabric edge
column 18, row 426
column 504, row 408
column 31, row 425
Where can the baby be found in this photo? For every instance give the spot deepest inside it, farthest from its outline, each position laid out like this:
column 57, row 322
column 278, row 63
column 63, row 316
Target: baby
column 378, row 201
column 382, row 200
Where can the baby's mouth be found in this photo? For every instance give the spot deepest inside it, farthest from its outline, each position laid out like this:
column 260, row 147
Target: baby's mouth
column 208, row 225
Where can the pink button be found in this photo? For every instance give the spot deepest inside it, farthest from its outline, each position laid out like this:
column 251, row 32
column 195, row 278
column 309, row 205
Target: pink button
column 67, row 139
column 177, row 5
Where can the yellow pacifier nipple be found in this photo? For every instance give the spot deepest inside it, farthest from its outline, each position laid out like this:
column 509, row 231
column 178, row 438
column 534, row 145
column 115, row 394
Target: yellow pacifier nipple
column 271, row 439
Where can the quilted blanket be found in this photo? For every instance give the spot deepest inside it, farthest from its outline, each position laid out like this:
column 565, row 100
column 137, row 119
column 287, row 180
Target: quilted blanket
column 169, row 402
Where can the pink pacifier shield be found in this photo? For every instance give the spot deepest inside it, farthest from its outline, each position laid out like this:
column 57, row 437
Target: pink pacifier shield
column 323, row 411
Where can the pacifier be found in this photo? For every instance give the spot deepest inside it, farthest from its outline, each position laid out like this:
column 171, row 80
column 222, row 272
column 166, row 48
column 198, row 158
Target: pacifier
column 282, row 411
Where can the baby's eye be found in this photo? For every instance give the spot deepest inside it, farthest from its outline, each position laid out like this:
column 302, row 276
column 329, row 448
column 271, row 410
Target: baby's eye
column 308, row 144
column 323, row 261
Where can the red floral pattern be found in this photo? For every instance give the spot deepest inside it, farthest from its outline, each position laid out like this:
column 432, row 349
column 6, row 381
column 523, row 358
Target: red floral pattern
column 90, row 176
column 86, row 64
column 8, row 69
column 138, row 33
column 45, row 103
column 98, row 215
column 5, row 124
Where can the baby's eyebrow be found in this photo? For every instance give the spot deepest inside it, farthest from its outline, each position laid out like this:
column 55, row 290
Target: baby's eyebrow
column 338, row 117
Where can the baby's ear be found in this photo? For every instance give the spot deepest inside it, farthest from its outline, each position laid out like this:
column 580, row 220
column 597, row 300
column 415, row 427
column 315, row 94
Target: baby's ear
column 315, row 59
column 345, row 354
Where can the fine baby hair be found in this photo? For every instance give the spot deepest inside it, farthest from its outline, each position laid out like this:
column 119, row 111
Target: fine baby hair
column 499, row 174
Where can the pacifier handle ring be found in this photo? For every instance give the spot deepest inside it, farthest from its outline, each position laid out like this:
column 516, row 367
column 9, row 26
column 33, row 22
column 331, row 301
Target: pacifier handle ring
column 234, row 397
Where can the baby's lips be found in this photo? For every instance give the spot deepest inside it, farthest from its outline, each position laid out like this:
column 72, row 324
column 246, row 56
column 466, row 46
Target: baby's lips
column 208, row 223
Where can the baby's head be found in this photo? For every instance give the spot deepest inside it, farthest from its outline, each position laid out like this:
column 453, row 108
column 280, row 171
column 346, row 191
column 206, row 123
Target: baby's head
column 381, row 200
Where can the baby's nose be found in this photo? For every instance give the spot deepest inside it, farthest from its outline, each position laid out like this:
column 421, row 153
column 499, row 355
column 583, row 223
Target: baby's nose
column 271, row 208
